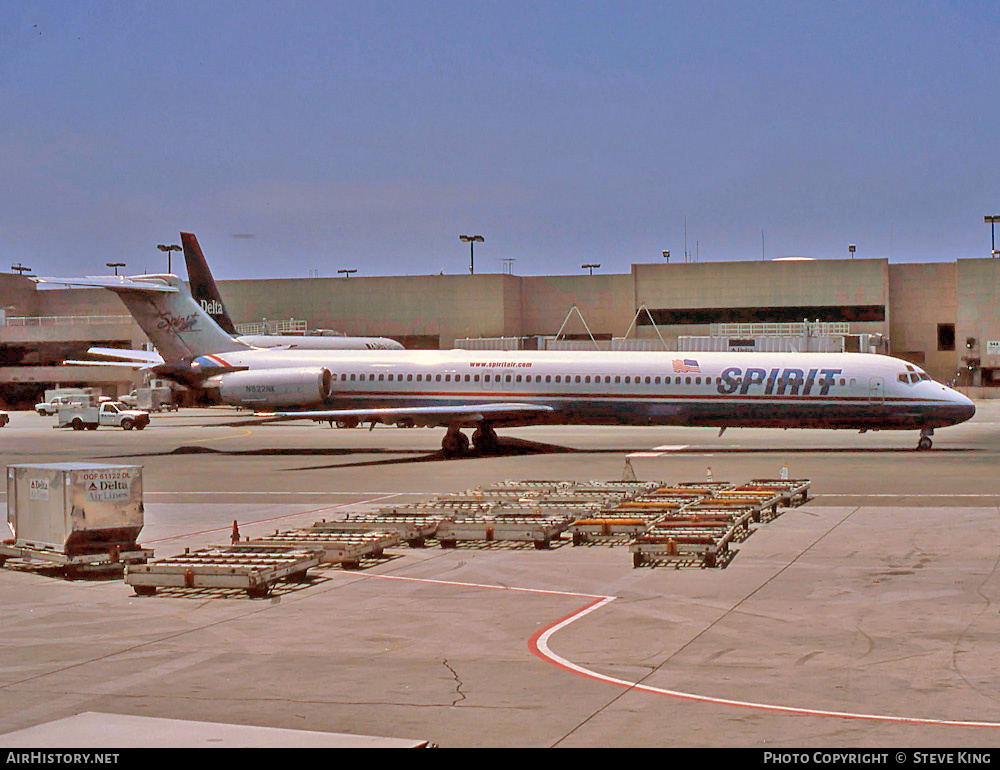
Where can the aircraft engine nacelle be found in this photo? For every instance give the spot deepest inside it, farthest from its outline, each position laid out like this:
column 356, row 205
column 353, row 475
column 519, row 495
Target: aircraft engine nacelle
column 274, row 387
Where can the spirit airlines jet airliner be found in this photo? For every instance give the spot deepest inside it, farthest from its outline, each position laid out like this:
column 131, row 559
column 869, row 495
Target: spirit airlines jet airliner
column 484, row 390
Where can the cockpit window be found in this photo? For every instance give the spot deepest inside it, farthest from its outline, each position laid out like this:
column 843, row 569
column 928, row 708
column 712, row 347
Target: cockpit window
column 912, row 375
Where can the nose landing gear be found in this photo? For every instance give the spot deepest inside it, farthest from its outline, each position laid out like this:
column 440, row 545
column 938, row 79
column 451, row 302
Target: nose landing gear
column 925, row 442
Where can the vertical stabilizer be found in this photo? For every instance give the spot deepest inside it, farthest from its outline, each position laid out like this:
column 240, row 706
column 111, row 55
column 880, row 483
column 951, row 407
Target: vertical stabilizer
column 203, row 287
column 166, row 311
column 177, row 325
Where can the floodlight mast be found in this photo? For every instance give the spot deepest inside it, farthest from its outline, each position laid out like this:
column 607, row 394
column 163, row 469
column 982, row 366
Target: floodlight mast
column 472, row 240
column 992, row 222
column 168, row 250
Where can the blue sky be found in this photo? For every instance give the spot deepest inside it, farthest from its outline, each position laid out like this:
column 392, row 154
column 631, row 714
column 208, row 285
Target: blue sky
column 371, row 134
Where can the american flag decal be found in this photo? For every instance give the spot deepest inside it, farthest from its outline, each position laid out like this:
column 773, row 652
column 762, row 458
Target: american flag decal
column 686, row 365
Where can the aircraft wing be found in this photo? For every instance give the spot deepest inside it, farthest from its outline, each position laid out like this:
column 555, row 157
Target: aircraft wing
column 426, row 416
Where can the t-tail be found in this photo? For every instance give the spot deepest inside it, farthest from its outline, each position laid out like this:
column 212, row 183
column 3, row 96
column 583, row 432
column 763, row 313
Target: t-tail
column 203, row 287
column 161, row 304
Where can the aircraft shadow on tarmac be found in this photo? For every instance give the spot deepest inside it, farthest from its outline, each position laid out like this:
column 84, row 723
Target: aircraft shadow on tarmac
column 511, row 447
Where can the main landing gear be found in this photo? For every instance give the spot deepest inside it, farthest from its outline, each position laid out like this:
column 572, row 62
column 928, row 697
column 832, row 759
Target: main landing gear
column 456, row 443
column 925, row 442
column 485, row 438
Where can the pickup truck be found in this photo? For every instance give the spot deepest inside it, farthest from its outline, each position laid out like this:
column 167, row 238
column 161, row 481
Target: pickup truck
column 52, row 407
column 112, row 413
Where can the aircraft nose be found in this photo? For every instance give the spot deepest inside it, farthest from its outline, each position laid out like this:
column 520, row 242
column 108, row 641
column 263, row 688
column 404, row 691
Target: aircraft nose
column 964, row 408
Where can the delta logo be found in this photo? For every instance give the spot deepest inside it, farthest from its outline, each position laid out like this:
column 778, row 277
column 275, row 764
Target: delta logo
column 211, row 306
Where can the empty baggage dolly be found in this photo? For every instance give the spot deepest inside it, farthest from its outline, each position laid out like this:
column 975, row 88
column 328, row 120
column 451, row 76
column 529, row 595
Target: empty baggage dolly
column 346, row 547
column 412, row 528
column 540, row 530
column 254, row 568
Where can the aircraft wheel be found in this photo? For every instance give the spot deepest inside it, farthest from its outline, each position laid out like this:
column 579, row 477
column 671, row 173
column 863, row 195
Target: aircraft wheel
column 924, row 443
column 485, row 439
column 455, row 443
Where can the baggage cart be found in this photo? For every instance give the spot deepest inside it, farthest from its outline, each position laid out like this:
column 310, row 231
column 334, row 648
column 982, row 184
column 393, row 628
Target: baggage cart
column 346, row 547
column 247, row 566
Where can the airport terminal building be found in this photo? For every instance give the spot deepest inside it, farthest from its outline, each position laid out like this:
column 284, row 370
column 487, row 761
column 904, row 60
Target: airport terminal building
column 943, row 316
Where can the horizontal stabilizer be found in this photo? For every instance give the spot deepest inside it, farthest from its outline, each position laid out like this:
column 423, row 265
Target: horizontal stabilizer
column 126, row 364
column 145, row 356
column 113, row 282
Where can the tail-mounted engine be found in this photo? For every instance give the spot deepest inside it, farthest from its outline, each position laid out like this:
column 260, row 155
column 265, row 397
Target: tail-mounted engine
column 273, row 387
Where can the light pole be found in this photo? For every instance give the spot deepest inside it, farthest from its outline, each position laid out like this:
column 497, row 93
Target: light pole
column 347, row 273
column 472, row 240
column 115, row 265
column 992, row 222
column 168, row 250
column 20, row 269
column 591, row 266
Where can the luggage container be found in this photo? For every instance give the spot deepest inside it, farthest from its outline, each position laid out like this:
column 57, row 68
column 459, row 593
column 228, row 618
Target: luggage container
column 75, row 515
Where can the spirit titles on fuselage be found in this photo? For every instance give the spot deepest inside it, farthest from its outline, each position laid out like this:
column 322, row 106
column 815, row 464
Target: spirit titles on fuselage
column 778, row 382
